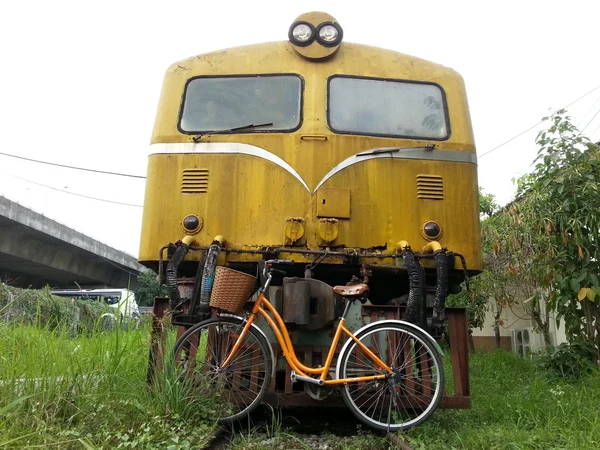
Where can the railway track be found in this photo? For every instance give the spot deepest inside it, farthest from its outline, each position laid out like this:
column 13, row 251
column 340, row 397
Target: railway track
column 310, row 428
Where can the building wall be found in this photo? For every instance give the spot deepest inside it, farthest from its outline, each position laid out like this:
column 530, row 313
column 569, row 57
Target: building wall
column 513, row 318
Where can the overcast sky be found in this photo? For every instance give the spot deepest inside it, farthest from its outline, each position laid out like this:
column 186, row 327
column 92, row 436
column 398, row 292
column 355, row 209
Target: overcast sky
column 80, row 82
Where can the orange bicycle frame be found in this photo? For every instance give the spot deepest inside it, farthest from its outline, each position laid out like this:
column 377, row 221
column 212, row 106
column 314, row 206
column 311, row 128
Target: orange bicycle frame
column 283, row 338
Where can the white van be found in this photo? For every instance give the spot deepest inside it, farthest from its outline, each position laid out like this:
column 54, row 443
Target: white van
column 122, row 300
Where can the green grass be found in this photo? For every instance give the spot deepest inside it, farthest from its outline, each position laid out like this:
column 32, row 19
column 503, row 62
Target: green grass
column 516, row 405
column 90, row 392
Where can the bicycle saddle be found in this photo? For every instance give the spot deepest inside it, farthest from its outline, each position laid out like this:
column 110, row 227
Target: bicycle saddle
column 353, row 290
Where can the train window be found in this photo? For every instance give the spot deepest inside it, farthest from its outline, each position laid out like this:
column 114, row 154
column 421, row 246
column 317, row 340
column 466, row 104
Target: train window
column 222, row 103
column 387, row 108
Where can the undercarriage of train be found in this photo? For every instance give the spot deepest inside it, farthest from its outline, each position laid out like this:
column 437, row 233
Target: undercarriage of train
column 413, row 290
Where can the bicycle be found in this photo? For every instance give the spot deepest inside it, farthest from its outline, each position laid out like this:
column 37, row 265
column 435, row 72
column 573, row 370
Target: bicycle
column 390, row 371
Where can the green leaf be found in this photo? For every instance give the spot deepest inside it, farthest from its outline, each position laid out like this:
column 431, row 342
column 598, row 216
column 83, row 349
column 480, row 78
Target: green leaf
column 581, row 276
column 4, row 444
column 594, row 279
column 87, row 445
column 574, row 285
column 4, row 410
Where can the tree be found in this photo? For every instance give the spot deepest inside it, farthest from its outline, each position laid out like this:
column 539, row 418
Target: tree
column 544, row 245
column 487, row 204
column 148, row 288
column 477, row 299
column 559, row 206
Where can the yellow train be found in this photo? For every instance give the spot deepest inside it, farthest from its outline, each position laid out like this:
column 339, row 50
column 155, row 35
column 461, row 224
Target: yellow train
column 351, row 160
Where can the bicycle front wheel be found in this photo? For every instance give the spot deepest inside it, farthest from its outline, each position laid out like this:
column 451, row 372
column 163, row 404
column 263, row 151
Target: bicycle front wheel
column 409, row 397
column 232, row 392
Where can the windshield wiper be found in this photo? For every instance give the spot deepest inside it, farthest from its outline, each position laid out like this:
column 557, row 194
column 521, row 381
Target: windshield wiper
column 231, row 130
column 395, row 150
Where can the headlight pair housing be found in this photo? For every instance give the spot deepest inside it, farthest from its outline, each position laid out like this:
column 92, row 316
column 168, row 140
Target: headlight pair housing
column 328, row 34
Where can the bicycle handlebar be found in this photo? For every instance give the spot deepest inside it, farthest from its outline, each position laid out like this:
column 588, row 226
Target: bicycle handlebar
column 279, row 261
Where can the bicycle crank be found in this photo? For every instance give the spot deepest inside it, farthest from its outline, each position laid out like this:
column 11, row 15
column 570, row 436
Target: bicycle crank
column 295, row 377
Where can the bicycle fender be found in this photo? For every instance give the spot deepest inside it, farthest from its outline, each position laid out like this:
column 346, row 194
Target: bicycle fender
column 256, row 328
column 371, row 325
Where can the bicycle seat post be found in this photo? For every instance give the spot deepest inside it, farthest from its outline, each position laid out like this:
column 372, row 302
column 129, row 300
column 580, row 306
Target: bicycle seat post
column 349, row 301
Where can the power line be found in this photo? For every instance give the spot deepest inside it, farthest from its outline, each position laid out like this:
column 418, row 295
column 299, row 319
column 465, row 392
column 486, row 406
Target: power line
column 539, row 123
column 588, row 111
column 74, row 193
column 119, row 174
column 596, row 129
column 591, row 120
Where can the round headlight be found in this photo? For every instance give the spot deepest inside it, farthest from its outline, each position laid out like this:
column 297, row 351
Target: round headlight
column 432, row 230
column 302, row 33
column 329, row 34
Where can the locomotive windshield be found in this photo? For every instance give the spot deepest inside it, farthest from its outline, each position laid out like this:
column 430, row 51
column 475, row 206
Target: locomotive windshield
column 220, row 103
column 387, row 108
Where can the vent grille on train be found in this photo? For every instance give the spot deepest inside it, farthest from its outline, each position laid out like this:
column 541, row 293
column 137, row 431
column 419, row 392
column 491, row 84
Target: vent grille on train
column 430, row 187
column 194, row 181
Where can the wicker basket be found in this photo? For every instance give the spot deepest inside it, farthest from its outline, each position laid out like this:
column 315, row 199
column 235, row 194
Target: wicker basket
column 231, row 289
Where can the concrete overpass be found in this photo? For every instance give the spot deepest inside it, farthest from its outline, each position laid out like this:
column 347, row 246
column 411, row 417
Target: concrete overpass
column 37, row 251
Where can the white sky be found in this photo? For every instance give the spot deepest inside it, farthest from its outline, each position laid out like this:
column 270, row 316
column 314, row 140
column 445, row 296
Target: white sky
column 79, row 82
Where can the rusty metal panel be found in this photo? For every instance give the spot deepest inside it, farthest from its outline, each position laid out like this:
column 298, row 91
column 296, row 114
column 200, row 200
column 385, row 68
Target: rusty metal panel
column 459, row 349
column 314, row 355
column 292, row 169
column 333, row 202
column 158, row 338
column 308, row 303
column 296, row 306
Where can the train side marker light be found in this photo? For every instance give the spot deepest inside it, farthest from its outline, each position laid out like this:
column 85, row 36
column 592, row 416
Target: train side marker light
column 192, row 223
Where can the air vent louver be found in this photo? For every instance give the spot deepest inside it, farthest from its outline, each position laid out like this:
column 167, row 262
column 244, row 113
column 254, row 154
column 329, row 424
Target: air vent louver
column 194, row 181
column 430, row 187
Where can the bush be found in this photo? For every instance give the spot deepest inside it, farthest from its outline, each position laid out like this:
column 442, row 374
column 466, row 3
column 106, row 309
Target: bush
column 41, row 308
column 148, row 288
column 569, row 361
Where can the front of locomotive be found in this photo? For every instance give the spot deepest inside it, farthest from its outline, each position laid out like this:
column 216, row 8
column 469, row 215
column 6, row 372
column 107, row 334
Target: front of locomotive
column 352, row 161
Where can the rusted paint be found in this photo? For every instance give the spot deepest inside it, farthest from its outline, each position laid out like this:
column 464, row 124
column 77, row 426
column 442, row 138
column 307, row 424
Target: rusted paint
column 375, row 216
column 157, row 339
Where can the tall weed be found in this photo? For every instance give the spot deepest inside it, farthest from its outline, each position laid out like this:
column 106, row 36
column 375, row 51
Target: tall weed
column 74, row 391
column 41, row 308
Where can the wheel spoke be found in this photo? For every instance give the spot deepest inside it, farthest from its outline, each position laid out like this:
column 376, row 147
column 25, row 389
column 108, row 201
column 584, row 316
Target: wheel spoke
column 398, row 402
column 234, row 390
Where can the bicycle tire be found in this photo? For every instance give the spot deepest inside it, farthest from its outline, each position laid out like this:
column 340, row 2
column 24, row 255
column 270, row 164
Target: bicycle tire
column 412, row 395
column 233, row 393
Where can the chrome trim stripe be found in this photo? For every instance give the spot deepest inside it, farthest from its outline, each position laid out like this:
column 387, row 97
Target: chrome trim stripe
column 227, row 148
column 412, row 153
column 421, row 153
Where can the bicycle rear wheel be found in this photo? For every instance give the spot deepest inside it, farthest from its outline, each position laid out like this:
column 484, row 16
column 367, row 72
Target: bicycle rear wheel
column 409, row 397
column 232, row 392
